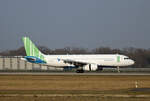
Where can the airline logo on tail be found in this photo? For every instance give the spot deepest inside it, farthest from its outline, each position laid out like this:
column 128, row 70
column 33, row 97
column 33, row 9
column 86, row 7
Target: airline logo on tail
column 32, row 52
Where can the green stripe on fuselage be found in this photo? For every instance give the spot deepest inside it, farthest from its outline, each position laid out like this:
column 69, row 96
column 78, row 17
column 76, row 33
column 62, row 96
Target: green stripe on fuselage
column 118, row 58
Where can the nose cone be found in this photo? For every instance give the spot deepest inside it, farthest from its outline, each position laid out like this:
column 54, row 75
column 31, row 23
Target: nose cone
column 132, row 62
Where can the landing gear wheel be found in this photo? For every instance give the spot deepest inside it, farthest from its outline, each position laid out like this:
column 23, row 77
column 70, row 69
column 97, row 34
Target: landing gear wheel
column 80, row 71
column 118, row 69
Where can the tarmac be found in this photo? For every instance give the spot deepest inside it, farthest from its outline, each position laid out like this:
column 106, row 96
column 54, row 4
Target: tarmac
column 68, row 73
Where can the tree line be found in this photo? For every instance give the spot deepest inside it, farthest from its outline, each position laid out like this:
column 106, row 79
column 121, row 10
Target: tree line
column 141, row 56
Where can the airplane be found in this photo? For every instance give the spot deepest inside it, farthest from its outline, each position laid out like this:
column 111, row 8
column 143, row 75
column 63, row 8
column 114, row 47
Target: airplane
column 81, row 63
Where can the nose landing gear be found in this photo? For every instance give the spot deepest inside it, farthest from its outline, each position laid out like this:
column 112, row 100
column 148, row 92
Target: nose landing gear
column 118, row 69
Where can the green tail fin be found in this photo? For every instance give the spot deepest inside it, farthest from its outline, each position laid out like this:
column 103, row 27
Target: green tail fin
column 31, row 49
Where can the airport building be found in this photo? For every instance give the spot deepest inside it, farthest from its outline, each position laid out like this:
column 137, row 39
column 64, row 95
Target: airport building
column 15, row 63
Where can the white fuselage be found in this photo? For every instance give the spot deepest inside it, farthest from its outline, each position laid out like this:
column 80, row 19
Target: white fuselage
column 99, row 59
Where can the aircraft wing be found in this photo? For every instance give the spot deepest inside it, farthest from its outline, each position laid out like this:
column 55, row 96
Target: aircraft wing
column 74, row 62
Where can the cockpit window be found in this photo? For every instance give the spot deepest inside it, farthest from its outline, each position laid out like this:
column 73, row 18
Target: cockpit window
column 126, row 58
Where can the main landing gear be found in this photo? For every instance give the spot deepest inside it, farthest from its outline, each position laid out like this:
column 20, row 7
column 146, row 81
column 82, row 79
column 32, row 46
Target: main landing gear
column 80, row 71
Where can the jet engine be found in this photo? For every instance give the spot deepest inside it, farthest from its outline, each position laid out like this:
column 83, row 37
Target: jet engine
column 90, row 67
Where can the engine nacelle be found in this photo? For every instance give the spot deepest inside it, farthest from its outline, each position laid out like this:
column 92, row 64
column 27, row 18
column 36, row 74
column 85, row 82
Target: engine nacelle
column 90, row 67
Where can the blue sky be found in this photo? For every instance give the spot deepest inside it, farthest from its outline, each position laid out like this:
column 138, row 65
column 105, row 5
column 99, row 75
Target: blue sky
column 75, row 23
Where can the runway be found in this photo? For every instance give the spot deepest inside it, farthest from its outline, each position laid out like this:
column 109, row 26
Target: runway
column 68, row 73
